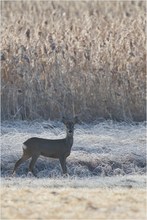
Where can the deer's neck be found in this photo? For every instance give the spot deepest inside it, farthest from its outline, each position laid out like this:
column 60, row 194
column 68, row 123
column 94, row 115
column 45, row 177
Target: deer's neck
column 69, row 141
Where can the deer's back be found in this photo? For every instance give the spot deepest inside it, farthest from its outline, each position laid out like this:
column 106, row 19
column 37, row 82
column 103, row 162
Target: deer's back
column 46, row 147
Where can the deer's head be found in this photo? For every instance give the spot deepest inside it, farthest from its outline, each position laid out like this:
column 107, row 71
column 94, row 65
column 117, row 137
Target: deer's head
column 69, row 123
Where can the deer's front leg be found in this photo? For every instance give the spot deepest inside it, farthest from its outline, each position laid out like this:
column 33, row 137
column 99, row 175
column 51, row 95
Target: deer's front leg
column 63, row 164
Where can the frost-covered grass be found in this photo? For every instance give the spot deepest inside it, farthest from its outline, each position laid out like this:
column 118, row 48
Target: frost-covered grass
column 104, row 154
column 76, row 182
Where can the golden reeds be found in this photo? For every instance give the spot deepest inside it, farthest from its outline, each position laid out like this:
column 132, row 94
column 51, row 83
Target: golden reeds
column 73, row 57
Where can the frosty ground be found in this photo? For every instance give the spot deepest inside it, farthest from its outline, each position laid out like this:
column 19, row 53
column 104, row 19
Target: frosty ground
column 106, row 173
column 104, row 154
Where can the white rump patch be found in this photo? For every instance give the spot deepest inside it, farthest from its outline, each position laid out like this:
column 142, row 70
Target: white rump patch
column 24, row 146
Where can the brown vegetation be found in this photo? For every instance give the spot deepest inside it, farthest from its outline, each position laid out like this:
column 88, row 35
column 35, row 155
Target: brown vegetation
column 75, row 57
column 65, row 203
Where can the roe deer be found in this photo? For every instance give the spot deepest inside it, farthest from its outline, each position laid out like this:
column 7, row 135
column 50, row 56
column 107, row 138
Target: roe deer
column 58, row 148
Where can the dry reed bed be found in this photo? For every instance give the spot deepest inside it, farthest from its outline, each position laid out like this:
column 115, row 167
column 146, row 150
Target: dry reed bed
column 73, row 57
column 69, row 203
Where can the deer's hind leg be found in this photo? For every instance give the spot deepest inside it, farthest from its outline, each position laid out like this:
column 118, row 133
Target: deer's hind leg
column 20, row 161
column 32, row 163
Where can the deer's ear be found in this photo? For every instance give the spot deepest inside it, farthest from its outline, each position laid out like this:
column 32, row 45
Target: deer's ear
column 76, row 119
column 64, row 120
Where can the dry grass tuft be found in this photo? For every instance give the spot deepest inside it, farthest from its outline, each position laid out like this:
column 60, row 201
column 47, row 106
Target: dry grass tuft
column 73, row 57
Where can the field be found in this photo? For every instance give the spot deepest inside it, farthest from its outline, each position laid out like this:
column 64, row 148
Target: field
column 85, row 58
column 71, row 57
column 106, row 170
column 73, row 203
